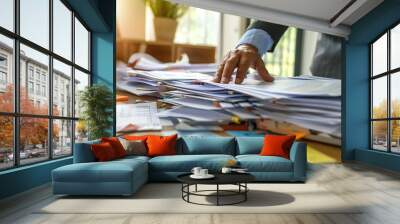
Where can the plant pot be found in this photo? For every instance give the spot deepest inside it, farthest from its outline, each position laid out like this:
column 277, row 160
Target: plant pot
column 165, row 29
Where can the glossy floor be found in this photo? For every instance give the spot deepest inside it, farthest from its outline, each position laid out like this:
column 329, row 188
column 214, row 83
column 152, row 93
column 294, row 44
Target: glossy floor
column 378, row 189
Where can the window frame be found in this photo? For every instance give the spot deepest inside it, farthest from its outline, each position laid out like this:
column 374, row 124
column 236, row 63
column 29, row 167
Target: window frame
column 388, row 74
column 16, row 115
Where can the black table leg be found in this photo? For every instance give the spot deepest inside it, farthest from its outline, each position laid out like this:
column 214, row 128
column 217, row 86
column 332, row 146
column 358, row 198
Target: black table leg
column 188, row 190
column 245, row 193
column 217, row 194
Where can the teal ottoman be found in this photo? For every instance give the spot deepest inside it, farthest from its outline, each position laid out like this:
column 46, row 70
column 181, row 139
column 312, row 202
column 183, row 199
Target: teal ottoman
column 118, row 177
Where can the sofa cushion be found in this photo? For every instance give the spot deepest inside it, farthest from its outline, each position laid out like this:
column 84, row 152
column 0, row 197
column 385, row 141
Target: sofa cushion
column 83, row 152
column 161, row 145
column 133, row 158
column 277, row 145
column 112, row 171
column 249, row 145
column 116, row 145
column 199, row 145
column 134, row 147
column 103, row 152
column 185, row 163
column 257, row 163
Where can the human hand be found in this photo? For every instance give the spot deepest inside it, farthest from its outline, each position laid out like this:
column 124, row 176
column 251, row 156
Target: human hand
column 242, row 58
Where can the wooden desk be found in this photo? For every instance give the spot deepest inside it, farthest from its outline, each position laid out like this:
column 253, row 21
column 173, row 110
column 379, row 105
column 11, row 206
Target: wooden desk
column 165, row 51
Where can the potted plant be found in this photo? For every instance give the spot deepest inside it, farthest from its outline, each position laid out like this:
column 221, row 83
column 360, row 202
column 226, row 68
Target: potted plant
column 165, row 18
column 96, row 103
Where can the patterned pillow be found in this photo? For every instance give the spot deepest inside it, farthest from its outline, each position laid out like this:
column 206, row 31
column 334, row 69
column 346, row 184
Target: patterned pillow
column 134, row 147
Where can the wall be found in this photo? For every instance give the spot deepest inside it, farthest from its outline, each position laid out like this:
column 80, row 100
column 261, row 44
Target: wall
column 24, row 178
column 232, row 29
column 355, row 110
column 131, row 19
column 104, row 51
column 99, row 15
column 309, row 43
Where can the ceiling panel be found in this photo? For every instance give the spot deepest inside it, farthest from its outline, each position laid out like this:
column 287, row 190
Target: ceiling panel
column 319, row 9
column 314, row 15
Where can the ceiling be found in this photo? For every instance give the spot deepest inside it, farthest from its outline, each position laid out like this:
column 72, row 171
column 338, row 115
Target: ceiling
column 327, row 16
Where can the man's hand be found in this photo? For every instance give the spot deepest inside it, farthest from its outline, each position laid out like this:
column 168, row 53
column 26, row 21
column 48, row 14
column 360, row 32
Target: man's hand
column 242, row 58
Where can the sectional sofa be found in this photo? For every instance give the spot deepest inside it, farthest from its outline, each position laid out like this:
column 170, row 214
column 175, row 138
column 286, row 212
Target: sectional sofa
column 125, row 176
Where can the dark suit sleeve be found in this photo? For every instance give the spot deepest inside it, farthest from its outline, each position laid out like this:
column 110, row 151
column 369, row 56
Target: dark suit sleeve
column 276, row 31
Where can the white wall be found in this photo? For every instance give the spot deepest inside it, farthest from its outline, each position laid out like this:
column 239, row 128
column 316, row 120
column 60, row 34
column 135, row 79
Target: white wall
column 149, row 25
column 131, row 19
column 309, row 43
column 232, row 29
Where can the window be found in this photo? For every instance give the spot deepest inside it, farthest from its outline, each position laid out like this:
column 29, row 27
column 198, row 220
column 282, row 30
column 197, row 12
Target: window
column 385, row 94
column 38, row 73
column 34, row 21
column 3, row 72
column 3, row 61
column 61, row 73
column 282, row 61
column 6, row 73
column 40, row 129
column 3, row 78
column 37, row 89
column 81, row 45
column 30, row 87
column 44, row 91
column 30, row 72
column 7, row 14
column 193, row 30
column 81, row 81
column 62, row 29
column 62, row 137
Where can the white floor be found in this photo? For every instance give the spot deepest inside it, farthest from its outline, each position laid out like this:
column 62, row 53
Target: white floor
column 377, row 190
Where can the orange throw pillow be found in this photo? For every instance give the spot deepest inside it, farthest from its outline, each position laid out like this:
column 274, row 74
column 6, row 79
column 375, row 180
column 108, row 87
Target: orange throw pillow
column 161, row 145
column 103, row 152
column 116, row 145
column 277, row 145
column 135, row 137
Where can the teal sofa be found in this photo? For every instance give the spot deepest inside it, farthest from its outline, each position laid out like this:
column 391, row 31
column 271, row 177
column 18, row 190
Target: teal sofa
column 125, row 176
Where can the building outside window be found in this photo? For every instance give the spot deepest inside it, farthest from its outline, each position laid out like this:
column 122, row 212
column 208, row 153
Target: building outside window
column 37, row 74
column 3, row 72
column 30, row 87
column 44, row 91
column 385, row 94
column 38, row 89
column 3, row 79
column 55, row 128
column 30, row 72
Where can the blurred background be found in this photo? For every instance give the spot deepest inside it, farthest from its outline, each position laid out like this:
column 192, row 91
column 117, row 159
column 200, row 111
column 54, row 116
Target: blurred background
column 168, row 33
column 205, row 36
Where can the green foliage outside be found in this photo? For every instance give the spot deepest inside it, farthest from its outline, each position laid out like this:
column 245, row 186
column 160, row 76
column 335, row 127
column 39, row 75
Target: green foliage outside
column 97, row 102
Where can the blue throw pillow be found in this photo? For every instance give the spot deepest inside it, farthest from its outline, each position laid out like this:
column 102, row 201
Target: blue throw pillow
column 195, row 145
column 249, row 145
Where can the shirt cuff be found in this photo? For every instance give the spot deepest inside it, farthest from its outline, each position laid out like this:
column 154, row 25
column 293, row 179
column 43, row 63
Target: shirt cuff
column 258, row 38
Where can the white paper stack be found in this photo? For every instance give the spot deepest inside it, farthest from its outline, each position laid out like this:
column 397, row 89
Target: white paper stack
column 137, row 117
column 309, row 102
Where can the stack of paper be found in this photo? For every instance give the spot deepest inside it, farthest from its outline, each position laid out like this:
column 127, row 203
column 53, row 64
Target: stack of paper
column 148, row 63
column 309, row 102
column 312, row 103
column 137, row 117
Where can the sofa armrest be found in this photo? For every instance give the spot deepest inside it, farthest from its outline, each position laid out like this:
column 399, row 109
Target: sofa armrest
column 83, row 152
column 298, row 155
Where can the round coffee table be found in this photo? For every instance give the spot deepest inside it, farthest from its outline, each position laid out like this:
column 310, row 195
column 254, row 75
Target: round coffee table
column 238, row 179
